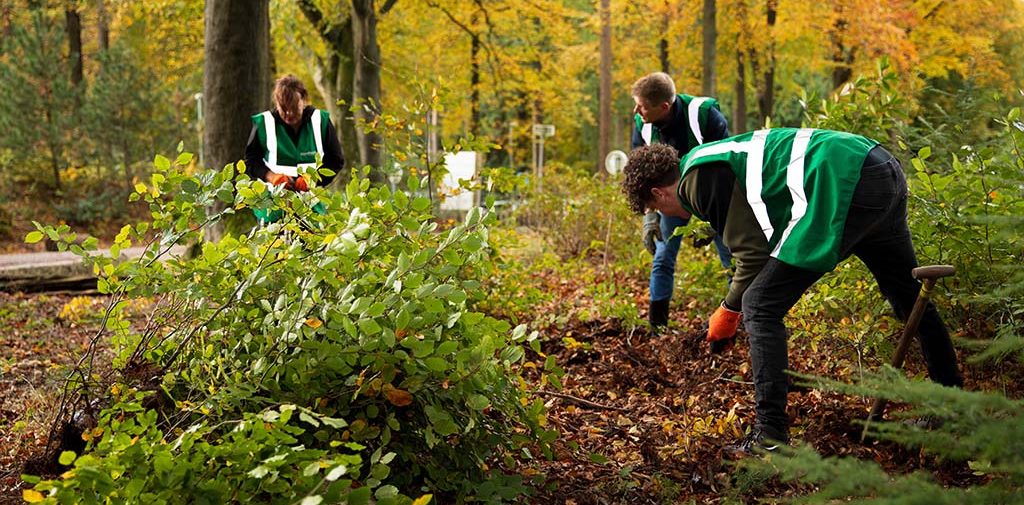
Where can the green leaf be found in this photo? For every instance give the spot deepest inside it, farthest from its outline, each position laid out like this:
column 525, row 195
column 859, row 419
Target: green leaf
column 598, row 458
column 478, row 401
column 420, row 204
column 311, row 469
column 33, row 237
column 925, row 152
column 359, row 496
column 336, row 473
column 386, row 492
column 161, row 162
column 183, row 159
column 368, row 326
column 66, row 458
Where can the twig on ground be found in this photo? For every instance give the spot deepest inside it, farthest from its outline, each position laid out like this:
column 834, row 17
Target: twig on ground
column 579, row 400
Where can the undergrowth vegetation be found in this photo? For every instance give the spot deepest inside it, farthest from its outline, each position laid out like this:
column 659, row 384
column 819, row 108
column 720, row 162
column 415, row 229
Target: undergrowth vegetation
column 335, row 357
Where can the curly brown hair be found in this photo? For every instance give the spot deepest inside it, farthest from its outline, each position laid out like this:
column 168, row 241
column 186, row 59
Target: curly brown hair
column 653, row 166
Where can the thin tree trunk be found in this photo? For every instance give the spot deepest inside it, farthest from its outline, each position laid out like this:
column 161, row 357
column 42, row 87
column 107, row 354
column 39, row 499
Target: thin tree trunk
column 663, row 41
column 334, row 76
column 236, row 79
column 74, row 32
column 103, row 24
column 710, row 39
column 366, row 96
column 605, row 93
column 739, row 116
column 474, row 82
column 766, row 95
column 842, row 58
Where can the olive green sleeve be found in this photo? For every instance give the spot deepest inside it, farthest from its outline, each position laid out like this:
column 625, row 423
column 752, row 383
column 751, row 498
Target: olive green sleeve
column 747, row 243
column 740, row 230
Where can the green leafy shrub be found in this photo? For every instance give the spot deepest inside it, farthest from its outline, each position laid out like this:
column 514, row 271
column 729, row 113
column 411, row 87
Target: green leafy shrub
column 360, row 321
column 581, row 214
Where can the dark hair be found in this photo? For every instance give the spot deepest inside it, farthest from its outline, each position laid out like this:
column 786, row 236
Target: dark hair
column 287, row 92
column 653, row 166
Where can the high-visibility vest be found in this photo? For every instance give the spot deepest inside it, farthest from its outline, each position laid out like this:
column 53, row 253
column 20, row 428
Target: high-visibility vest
column 696, row 112
column 282, row 154
column 798, row 183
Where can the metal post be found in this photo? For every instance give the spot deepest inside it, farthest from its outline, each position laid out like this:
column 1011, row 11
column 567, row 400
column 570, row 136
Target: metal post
column 199, row 126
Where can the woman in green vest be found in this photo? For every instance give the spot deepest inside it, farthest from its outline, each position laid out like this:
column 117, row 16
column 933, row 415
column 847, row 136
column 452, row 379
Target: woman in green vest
column 791, row 204
column 290, row 136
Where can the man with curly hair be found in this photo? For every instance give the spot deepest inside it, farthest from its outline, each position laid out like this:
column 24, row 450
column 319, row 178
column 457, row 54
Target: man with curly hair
column 791, row 204
column 682, row 121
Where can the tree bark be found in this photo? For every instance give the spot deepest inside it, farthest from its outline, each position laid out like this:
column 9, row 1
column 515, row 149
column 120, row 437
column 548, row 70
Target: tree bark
column 766, row 93
column 604, row 120
column 663, row 41
column 739, row 115
column 236, row 79
column 333, row 76
column 474, row 81
column 710, row 39
column 842, row 57
column 103, row 24
column 366, row 85
column 74, row 32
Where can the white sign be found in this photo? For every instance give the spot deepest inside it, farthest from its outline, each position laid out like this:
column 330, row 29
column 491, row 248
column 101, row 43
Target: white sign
column 615, row 162
column 544, row 130
column 461, row 167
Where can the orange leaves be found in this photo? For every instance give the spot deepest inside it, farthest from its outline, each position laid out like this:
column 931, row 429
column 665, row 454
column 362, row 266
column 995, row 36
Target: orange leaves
column 397, row 397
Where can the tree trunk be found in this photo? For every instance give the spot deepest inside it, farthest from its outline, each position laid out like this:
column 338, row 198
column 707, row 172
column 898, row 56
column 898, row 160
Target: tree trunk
column 366, row 85
column 103, row 24
column 333, row 76
column 474, row 82
column 710, row 39
column 74, row 33
column 236, row 80
column 663, row 41
column 842, row 58
column 766, row 94
column 739, row 115
column 604, row 119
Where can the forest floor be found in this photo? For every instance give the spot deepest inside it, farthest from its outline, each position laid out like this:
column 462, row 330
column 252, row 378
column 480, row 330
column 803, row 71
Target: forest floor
column 643, row 418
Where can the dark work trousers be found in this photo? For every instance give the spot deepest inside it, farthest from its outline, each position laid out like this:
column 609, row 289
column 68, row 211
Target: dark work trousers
column 877, row 233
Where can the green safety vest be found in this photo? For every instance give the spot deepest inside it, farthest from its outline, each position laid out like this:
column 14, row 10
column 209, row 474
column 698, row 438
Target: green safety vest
column 283, row 156
column 696, row 113
column 798, row 183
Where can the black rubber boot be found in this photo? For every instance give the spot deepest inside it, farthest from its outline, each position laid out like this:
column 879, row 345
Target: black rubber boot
column 657, row 315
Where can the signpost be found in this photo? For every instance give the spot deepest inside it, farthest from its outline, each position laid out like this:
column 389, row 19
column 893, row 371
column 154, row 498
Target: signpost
column 540, row 132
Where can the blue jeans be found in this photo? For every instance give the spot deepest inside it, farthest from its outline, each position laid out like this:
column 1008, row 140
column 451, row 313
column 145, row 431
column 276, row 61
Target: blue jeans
column 665, row 252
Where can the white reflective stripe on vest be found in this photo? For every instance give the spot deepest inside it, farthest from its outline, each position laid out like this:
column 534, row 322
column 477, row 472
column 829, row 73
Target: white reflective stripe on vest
column 646, row 132
column 317, row 136
column 795, row 182
column 754, row 183
column 693, row 114
column 271, row 129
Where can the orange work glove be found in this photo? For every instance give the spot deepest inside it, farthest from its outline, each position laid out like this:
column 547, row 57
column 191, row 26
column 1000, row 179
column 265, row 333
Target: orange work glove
column 301, row 184
column 722, row 328
column 279, row 179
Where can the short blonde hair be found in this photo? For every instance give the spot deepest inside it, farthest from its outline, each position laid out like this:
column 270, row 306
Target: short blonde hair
column 654, row 88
